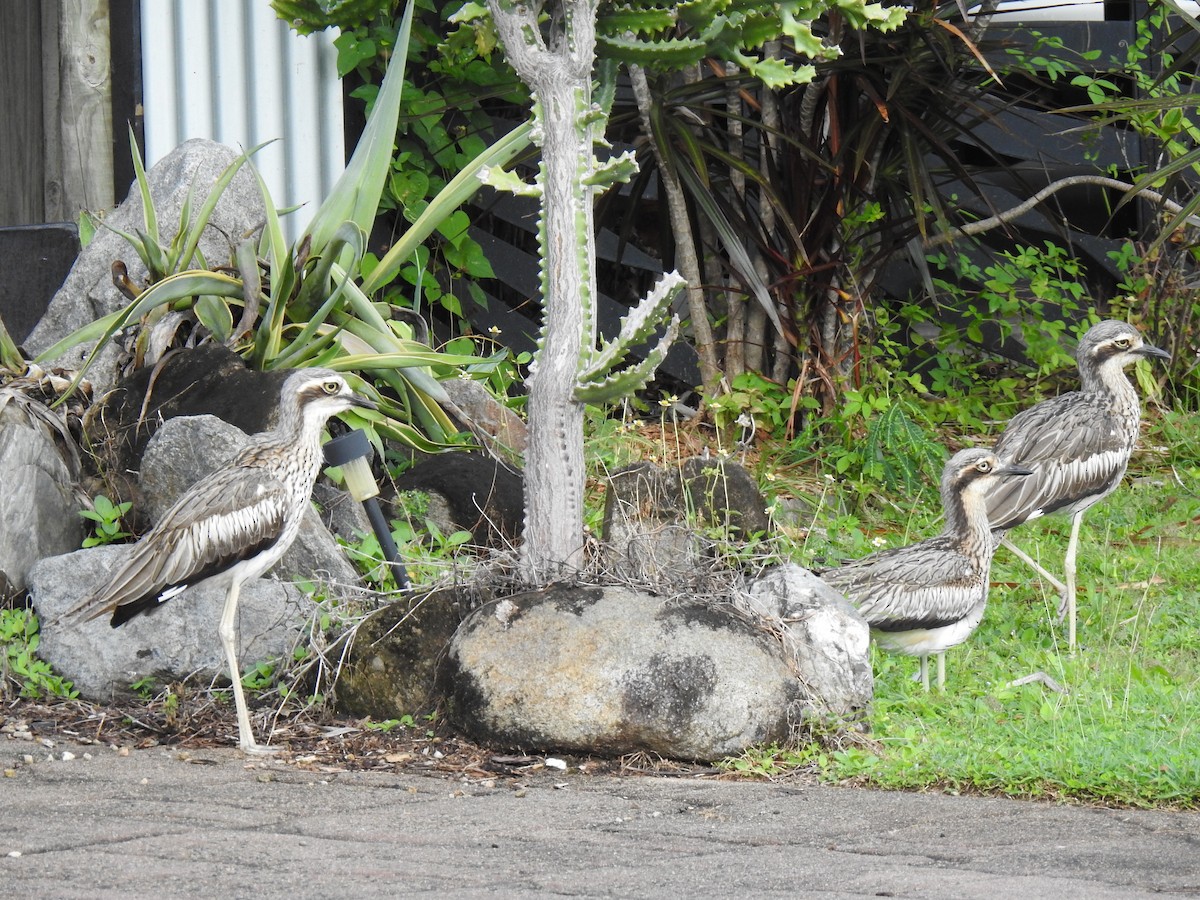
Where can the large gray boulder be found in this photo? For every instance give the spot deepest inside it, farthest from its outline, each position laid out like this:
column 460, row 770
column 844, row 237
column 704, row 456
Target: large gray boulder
column 609, row 670
column 175, row 642
column 89, row 292
column 180, row 640
column 39, row 512
column 825, row 636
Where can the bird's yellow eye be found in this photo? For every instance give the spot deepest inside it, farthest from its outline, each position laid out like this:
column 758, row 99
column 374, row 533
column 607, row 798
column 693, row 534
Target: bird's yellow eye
column 1122, row 343
column 984, row 466
column 331, row 388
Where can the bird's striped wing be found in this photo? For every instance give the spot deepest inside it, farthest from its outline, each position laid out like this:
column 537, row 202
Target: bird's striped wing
column 924, row 585
column 223, row 519
column 1076, row 450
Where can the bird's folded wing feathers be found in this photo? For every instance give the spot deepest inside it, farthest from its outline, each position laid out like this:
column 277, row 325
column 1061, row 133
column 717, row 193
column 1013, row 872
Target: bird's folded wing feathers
column 215, row 524
column 1067, row 427
column 1075, row 451
column 908, row 589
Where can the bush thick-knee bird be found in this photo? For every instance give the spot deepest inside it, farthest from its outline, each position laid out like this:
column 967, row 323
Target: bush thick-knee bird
column 1077, row 444
column 926, row 597
column 233, row 524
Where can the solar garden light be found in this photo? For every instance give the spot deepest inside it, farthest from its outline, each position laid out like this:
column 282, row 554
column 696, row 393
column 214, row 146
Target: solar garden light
column 352, row 453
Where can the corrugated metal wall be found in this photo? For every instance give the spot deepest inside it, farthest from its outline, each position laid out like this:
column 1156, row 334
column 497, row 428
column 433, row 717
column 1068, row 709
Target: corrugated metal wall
column 232, row 71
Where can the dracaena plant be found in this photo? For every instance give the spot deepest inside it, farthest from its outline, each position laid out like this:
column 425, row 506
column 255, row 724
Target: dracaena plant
column 309, row 304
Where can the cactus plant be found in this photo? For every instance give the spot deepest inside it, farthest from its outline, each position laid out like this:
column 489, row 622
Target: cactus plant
column 554, row 56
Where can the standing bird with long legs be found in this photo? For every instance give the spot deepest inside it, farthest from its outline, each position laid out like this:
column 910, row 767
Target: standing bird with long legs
column 1077, row 444
column 232, row 525
column 930, row 596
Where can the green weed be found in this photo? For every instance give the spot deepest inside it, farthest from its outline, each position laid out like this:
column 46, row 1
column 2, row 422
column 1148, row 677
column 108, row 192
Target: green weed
column 107, row 516
column 19, row 664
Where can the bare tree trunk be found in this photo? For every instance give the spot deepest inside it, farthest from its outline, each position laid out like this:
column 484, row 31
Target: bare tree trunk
column 686, row 259
column 736, row 302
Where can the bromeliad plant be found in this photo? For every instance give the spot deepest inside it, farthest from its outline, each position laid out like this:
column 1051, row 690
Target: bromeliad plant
column 310, row 304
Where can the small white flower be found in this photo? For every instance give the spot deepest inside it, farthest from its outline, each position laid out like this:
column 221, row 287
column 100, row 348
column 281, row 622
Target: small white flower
column 878, row 542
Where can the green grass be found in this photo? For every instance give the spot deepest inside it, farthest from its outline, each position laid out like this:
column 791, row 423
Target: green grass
column 1127, row 729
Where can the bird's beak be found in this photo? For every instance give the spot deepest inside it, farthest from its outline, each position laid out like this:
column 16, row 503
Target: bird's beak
column 1013, row 469
column 360, row 400
column 1151, row 350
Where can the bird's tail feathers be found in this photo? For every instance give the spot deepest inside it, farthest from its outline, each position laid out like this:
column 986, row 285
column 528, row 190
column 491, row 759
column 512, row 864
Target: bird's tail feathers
column 90, row 607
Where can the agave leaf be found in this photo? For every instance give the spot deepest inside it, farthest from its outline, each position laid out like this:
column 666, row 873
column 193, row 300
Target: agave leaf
column 152, row 255
column 317, row 324
column 300, row 352
column 149, row 216
column 283, row 278
column 355, row 196
column 181, row 286
column 210, row 203
column 92, row 331
column 396, row 430
column 10, row 356
column 247, row 263
column 175, row 251
column 416, row 403
column 456, row 192
column 376, row 361
column 275, row 246
column 347, row 238
column 214, row 314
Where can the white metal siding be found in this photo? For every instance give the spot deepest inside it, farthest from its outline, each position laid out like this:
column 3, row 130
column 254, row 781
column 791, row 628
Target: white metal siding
column 232, row 71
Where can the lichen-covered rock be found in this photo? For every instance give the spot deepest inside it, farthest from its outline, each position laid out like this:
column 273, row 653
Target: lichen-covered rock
column 390, row 669
column 647, row 538
column 827, row 638
column 608, row 670
column 651, row 516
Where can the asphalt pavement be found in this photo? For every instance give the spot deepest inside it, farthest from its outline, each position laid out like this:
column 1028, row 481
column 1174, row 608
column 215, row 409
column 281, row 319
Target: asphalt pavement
column 95, row 822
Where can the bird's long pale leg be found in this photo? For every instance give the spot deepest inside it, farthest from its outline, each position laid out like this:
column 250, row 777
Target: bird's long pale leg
column 925, row 672
column 1034, row 564
column 1067, row 607
column 941, row 682
column 229, row 641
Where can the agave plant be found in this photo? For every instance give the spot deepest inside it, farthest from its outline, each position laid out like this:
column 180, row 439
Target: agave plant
column 309, row 304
